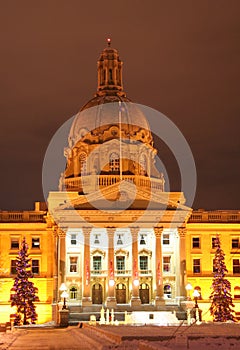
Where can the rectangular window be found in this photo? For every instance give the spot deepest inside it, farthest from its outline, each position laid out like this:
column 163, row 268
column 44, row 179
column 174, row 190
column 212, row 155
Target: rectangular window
column 73, row 239
column 13, row 267
column 236, row 266
column 120, row 260
column 73, row 263
column 235, row 243
column 97, row 264
column 35, row 266
column 167, row 263
column 195, row 242
column 14, row 243
column 213, row 242
column 36, row 243
column 166, row 238
column 143, row 264
column 196, row 266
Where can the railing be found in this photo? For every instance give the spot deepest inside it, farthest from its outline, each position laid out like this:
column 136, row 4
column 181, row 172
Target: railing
column 99, row 272
column 123, row 272
column 21, row 216
column 215, row 216
column 90, row 183
column 145, row 272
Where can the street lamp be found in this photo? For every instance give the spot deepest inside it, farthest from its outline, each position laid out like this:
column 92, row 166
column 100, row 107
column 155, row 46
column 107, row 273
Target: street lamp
column 188, row 288
column 196, row 295
column 64, row 295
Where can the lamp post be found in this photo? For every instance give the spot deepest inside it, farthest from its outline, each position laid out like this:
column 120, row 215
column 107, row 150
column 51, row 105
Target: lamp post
column 64, row 295
column 188, row 288
column 196, row 295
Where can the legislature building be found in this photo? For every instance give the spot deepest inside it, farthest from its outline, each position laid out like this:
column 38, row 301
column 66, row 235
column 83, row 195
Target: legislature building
column 112, row 234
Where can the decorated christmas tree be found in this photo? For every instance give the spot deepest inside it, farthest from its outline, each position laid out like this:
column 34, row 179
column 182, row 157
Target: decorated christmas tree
column 221, row 299
column 24, row 294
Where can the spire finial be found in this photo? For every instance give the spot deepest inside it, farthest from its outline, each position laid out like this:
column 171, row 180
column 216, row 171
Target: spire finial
column 109, row 42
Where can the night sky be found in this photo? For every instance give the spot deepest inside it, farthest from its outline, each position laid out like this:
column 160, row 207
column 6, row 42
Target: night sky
column 180, row 57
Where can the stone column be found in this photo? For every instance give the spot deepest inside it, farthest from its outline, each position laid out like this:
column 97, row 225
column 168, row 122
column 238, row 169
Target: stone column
column 182, row 254
column 62, row 254
column 55, row 275
column 86, row 280
column 111, row 299
column 135, row 299
column 159, row 280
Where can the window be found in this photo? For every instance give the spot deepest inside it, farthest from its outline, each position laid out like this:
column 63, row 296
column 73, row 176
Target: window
column 142, row 240
column 196, row 266
column 73, row 293
column 83, row 163
column 166, row 238
column 35, row 243
column 235, row 243
column 13, row 267
column 73, row 239
column 196, row 242
column 97, row 264
column 120, row 262
column 213, row 242
column 236, row 266
column 14, row 243
column 35, row 267
column 143, row 263
column 73, row 263
column 236, row 292
column 167, row 263
column 167, row 291
column 114, row 162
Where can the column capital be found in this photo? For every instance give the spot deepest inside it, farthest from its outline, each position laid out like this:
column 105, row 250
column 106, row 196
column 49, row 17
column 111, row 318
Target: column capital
column 61, row 231
column 158, row 231
column 86, row 230
column 111, row 230
column 182, row 231
column 134, row 231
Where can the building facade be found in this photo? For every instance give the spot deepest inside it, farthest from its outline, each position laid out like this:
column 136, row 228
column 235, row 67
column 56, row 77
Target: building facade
column 112, row 233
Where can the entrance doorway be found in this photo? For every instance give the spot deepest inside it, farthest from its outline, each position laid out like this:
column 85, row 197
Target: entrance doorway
column 121, row 293
column 144, row 293
column 97, row 296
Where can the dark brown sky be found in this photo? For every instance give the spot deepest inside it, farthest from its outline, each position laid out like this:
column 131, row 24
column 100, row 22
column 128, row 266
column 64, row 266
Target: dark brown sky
column 180, row 57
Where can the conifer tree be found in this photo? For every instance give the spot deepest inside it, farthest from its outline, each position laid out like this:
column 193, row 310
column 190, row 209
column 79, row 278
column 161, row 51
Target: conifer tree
column 221, row 299
column 24, row 294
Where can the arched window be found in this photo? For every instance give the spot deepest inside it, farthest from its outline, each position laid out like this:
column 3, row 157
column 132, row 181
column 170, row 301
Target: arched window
column 73, row 293
column 83, row 163
column 114, row 162
column 167, row 290
column 236, row 292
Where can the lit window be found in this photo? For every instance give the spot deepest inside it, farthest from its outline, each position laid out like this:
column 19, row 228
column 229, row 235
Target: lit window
column 114, row 162
column 213, row 242
column 167, row 290
column 143, row 264
column 73, row 263
column 196, row 266
column 166, row 238
column 35, row 267
column 167, row 263
column 73, row 293
column 36, row 243
column 196, row 242
column 236, row 292
column 236, row 266
column 73, row 239
column 235, row 243
column 120, row 260
column 13, row 267
column 97, row 264
column 14, row 243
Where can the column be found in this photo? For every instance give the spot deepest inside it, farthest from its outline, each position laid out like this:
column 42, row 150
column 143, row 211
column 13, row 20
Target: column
column 111, row 299
column 158, row 256
column 182, row 255
column 86, row 299
column 62, row 254
column 55, row 264
column 135, row 299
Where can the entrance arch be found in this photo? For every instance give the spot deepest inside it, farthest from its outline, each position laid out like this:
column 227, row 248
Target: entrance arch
column 144, row 293
column 97, row 293
column 121, row 293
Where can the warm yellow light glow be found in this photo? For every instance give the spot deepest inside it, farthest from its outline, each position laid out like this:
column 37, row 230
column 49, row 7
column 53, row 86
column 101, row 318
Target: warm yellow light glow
column 136, row 283
column 111, row 283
